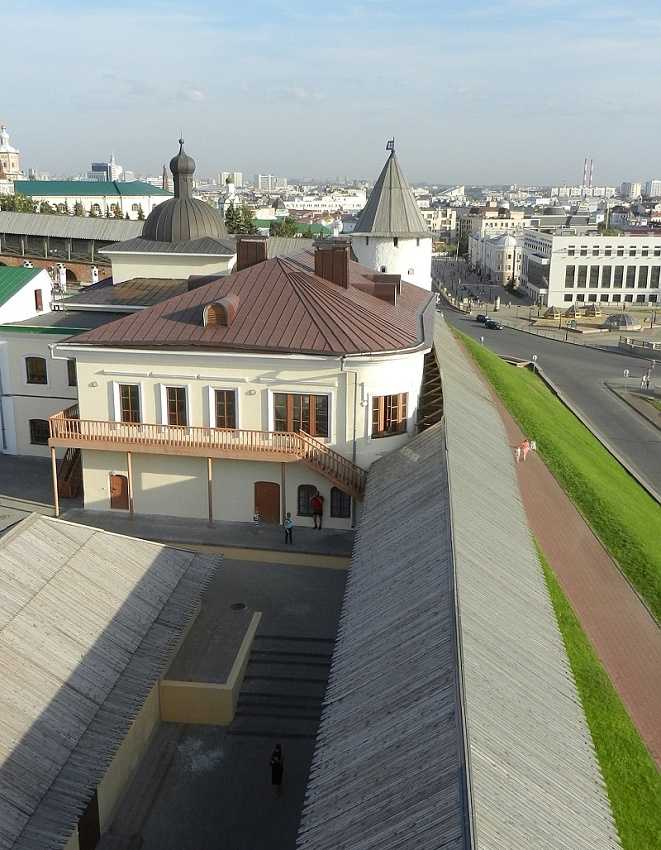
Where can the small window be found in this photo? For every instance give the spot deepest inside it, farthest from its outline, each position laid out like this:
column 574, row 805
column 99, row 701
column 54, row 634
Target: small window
column 39, row 432
column 129, row 402
column 71, row 372
column 580, row 297
column 176, row 405
column 571, row 251
column 592, row 296
column 608, row 251
column 225, row 408
column 617, row 298
column 628, row 298
column 584, row 250
column 631, row 276
column 383, row 269
column 595, row 250
column 305, row 494
column 568, row 297
column 640, row 299
column 340, row 504
column 603, row 296
column 38, row 301
column 389, row 415
column 395, row 241
column 36, row 372
column 620, row 250
column 632, row 251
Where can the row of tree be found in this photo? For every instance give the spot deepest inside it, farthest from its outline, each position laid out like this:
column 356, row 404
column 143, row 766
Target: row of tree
column 241, row 220
column 21, row 203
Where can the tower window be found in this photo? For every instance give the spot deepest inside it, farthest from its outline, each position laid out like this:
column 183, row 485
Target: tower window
column 395, row 241
column 383, row 269
column 417, row 242
column 367, row 240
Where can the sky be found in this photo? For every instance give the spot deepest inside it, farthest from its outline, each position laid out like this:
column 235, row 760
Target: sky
column 485, row 91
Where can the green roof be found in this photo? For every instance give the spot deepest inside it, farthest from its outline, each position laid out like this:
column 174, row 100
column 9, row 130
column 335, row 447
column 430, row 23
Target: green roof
column 12, row 280
column 62, row 188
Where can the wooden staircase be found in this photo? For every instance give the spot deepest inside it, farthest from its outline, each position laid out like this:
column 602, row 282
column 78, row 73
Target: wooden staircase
column 70, row 475
column 350, row 478
column 430, row 403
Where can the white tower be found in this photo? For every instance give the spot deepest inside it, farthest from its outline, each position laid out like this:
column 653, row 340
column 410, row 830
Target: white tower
column 391, row 235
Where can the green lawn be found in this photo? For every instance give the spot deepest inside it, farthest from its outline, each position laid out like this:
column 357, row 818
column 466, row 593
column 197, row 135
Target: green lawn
column 632, row 780
column 621, row 513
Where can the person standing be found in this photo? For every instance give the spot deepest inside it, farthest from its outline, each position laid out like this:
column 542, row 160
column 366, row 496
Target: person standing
column 525, row 448
column 277, row 768
column 289, row 529
column 317, row 505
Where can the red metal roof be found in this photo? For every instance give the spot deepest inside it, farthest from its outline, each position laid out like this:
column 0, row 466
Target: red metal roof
column 282, row 307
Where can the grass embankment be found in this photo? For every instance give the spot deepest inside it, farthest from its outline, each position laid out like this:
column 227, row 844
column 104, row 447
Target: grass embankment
column 621, row 513
column 632, row 780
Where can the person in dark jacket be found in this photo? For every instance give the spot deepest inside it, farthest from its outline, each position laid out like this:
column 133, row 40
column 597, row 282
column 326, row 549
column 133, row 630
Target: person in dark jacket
column 317, row 505
column 277, row 767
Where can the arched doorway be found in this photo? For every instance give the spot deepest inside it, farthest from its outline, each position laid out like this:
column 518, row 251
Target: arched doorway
column 119, row 492
column 267, row 501
column 71, row 277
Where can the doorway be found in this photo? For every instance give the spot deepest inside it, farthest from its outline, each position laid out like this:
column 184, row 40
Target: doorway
column 119, row 492
column 267, row 501
column 89, row 828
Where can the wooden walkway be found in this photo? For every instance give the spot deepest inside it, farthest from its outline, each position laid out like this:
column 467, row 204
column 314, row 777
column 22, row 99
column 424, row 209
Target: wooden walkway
column 622, row 631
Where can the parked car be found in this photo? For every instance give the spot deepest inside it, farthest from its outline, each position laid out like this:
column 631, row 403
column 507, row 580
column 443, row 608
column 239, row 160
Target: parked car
column 481, row 318
column 493, row 325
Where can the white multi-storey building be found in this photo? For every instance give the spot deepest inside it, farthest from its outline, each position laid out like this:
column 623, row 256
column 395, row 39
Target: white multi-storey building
column 269, row 183
column 441, row 221
column 391, row 236
column 566, row 269
column 653, row 188
column 498, row 257
column 631, row 189
column 329, row 203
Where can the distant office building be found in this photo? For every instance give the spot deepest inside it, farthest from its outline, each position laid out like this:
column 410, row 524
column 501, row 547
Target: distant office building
column 235, row 177
column 441, row 221
column 559, row 270
column 106, row 171
column 97, row 197
column 10, row 158
column 269, row 183
column 498, row 258
column 631, row 190
column 653, row 188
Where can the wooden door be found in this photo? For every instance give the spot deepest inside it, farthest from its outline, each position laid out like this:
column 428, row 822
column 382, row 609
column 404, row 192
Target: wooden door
column 89, row 828
column 119, row 492
column 267, row 501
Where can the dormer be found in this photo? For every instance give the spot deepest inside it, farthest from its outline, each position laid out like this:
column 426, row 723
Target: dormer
column 221, row 312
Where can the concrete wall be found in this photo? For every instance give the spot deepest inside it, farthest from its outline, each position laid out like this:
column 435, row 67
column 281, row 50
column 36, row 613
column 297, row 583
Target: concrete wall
column 22, row 401
column 206, row 702
column 170, row 266
column 82, row 271
column 411, row 258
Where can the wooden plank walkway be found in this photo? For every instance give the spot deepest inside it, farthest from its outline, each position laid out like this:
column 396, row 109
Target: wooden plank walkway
column 622, row 631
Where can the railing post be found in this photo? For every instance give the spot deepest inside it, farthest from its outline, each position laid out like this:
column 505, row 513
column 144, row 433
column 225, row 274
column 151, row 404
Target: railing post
column 210, row 488
column 56, row 495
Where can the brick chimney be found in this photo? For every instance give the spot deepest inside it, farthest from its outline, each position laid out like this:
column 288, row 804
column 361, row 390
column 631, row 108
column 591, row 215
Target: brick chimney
column 250, row 250
column 331, row 260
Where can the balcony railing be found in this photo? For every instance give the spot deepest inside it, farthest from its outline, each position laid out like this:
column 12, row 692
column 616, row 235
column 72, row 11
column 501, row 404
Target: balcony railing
column 66, row 429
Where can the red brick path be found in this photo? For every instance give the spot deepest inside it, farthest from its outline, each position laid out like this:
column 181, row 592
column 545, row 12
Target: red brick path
column 622, row 631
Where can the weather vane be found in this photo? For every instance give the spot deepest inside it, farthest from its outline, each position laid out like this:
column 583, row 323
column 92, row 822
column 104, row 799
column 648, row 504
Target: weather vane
column 390, row 146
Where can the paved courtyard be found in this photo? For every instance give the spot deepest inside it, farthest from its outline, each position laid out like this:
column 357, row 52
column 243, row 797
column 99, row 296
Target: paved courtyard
column 207, row 787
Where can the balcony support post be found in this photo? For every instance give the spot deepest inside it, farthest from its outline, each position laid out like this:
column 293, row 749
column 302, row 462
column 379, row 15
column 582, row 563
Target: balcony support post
column 129, row 470
column 56, row 495
column 210, row 488
column 283, row 491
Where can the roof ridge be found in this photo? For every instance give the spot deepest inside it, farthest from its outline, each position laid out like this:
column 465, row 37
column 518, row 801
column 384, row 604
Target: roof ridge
column 291, row 277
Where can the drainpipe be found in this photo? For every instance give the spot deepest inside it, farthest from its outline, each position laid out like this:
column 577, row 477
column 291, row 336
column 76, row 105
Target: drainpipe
column 2, row 414
column 355, row 418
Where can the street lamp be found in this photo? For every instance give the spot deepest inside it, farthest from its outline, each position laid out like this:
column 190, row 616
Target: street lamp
column 534, row 364
column 482, row 340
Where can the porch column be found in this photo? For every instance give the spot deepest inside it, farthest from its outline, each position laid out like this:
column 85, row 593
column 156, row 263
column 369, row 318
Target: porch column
column 210, row 488
column 283, row 490
column 129, row 469
column 56, row 495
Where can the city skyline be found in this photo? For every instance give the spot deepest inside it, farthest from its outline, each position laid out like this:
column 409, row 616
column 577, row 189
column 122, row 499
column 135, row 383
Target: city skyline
column 280, row 90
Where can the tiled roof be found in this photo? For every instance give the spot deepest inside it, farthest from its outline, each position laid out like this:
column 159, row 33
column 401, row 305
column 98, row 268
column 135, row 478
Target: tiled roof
column 12, row 280
column 282, row 307
column 87, row 188
column 391, row 209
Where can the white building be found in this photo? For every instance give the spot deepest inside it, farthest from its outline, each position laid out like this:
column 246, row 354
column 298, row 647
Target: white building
column 235, row 177
column 441, row 221
column 106, row 171
column 391, row 235
column 218, row 385
column 10, row 158
column 131, row 200
column 561, row 270
column 653, row 188
column 269, row 183
column 631, row 190
column 332, row 202
column 498, row 257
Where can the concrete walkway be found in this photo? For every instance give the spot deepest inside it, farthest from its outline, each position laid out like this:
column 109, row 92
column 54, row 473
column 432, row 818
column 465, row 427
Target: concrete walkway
column 622, row 631
column 244, row 535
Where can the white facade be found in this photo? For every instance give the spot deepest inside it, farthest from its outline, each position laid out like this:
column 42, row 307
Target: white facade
column 441, row 220
column 177, row 485
column 499, row 257
column 171, row 266
column 10, row 158
column 653, row 188
column 235, row 177
column 269, row 183
column 409, row 257
column 342, row 201
column 631, row 190
column 561, row 270
column 31, row 299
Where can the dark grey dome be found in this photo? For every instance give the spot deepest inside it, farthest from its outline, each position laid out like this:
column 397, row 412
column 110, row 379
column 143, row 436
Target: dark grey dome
column 183, row 217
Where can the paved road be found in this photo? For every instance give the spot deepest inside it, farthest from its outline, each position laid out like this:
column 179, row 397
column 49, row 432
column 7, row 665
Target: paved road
column 580, row 373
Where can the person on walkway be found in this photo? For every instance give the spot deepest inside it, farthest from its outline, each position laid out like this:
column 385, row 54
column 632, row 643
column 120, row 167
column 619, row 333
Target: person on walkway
column 317, row 505
column 277, row 768
column 525, row 448
column 289, row 529
column 517, row 453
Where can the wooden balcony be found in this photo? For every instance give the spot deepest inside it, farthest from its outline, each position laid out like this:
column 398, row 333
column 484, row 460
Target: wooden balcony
column 68, row 431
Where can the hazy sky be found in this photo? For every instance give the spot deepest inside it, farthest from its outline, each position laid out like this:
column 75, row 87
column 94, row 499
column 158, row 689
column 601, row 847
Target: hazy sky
column 479, row 91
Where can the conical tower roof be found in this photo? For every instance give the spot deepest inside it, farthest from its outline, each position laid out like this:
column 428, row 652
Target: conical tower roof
column 391, row 209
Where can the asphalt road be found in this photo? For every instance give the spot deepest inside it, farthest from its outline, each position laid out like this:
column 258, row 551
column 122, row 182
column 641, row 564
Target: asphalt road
column 580, row 373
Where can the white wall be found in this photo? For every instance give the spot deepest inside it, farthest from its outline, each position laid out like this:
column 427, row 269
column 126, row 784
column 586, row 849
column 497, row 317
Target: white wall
column 169, row 266
column 411, row 258
column 23, row 401
column 21, row 306
column 106, row 202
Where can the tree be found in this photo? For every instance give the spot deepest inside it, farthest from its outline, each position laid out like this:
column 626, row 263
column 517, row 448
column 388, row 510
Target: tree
column 17, row 203
column 141, row 213
column 46, row 208
column 284, row 227
column 232, row 219
column 247, row 220
column 93, row 213
column 78, row 209
column 116, row 211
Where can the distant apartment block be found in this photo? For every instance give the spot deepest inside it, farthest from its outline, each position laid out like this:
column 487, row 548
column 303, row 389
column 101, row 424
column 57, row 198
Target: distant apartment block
column 441, row 221
column 235, row 177
column 631, row 190
column 566, row 269
column 269, row 183
column 653, row 188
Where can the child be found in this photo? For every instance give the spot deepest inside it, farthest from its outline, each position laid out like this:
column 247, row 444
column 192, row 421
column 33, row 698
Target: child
column 289, row 528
